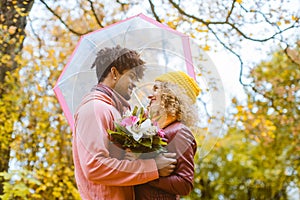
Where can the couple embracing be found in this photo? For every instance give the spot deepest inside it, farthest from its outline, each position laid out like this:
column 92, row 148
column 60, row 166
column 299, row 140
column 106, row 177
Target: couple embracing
column 103, row 170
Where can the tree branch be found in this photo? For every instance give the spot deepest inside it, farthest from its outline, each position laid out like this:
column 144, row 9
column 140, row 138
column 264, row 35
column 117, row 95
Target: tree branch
column 234, row 53
column 205, row 107
column 230, row 11
column 122, row 4
column 95, row 15
column 35, row 34
column 233, row 26
column 153, row 11
column 62, row 21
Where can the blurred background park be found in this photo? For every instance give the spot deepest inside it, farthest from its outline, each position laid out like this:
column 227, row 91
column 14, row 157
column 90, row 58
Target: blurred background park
column 255, row 46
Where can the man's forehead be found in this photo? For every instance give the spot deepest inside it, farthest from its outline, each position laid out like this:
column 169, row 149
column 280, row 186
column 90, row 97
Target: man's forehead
column 131, row 72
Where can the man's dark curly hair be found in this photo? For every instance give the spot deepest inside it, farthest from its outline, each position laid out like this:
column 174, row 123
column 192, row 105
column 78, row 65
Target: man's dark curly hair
column 121, row 58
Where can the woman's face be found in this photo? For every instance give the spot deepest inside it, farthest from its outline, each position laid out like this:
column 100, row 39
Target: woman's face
column 157, row 108
column 155, row 100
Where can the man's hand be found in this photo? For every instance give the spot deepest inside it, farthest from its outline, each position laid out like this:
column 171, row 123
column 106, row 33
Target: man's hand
column 165, row 163
column 129, row 155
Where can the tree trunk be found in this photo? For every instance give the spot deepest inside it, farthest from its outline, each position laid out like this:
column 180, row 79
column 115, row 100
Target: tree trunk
column 13, row 19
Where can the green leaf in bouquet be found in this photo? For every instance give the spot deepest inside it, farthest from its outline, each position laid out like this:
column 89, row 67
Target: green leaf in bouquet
column 141, row 116
column 120, row 128
column 128, row 143
column 147, row 142
column 117, row 133
column 158, row 141
column 135, row 110
column 117, row 137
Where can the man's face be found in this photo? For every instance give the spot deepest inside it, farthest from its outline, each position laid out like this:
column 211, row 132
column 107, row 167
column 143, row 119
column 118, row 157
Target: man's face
column 126, row 84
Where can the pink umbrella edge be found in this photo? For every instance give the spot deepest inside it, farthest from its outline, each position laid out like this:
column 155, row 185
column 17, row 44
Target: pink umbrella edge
column 188, row 57
column 161, row 25
column 64, row 107
column 69, row 60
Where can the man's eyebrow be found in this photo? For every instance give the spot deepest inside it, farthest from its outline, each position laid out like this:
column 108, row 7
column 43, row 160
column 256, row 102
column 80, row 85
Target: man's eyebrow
column 133, row 75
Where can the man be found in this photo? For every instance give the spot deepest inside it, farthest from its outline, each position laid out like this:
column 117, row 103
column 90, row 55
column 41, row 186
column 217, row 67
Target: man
column 99, row 169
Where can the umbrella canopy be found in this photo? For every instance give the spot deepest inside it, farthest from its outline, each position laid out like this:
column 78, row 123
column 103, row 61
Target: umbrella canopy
column 162, row 48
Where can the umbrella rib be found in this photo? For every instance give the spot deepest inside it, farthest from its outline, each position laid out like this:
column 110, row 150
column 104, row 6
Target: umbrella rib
column 136, row 96
column 72, row 75
column 138, row 100
column 125, row 33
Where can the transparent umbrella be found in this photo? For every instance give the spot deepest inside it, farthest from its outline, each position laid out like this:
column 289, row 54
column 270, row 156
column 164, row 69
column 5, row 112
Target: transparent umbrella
column 162, row 48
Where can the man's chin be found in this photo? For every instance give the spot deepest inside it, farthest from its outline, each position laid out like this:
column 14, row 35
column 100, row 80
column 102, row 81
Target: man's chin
column 127, row 97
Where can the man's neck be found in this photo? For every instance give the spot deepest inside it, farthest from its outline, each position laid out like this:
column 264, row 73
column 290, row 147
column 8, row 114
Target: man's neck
column 107, row 82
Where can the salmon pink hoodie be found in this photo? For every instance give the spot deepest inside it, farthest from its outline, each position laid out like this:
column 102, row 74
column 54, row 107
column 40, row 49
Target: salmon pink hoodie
column 100, row 171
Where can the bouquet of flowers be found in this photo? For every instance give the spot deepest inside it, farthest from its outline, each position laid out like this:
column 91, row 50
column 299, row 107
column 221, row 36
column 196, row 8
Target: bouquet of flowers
column 136, row 132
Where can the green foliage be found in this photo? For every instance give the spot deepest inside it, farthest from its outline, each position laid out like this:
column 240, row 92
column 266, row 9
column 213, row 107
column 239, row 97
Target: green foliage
column 258, row 158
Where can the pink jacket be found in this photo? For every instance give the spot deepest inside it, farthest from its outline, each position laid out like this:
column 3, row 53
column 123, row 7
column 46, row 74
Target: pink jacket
column 180, row 183
column 99, row 171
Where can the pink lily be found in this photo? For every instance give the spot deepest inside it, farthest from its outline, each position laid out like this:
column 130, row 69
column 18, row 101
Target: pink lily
column 129, row 121
column 161, row 133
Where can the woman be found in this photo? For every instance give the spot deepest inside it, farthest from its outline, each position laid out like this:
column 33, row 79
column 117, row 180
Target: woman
column 172, row 106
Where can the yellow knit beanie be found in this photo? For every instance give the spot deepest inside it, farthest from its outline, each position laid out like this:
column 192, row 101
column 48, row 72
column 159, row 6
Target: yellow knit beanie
column 184, row 81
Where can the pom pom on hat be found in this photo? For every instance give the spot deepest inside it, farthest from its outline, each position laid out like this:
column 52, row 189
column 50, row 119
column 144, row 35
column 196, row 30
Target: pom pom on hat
column 184, row 81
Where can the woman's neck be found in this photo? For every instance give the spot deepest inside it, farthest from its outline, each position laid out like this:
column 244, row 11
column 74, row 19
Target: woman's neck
column 165, row 121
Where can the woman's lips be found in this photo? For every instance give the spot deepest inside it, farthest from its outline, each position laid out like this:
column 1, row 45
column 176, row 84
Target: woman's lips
column 152, row 98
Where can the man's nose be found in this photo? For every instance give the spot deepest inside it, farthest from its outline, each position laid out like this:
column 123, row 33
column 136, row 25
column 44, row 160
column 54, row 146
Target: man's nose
column 133, row 84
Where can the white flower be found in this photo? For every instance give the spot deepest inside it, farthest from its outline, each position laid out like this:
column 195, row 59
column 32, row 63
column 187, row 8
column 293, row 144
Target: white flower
column 146, row 124
column 147, row 128
column 135, row 131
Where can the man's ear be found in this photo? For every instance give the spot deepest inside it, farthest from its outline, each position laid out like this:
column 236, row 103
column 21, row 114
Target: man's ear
column 114, row 72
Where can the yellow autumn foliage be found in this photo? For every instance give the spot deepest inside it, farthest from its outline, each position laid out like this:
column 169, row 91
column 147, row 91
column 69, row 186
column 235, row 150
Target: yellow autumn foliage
column 37, row 137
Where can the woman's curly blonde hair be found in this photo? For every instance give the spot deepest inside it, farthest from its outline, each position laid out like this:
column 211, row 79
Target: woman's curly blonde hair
column 175, row 102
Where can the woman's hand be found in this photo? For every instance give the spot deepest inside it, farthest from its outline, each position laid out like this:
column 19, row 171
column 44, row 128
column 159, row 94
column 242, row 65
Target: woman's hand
column 129, row 155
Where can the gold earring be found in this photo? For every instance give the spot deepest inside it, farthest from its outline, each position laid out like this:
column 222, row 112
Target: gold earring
column 115, row 78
